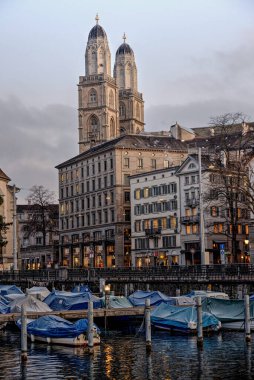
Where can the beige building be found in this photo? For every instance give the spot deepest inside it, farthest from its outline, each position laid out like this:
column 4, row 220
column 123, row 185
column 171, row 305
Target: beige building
column 6, row 212
column 94, row 188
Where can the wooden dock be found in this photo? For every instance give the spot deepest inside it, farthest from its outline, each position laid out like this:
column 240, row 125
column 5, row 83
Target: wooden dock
column 77, row 314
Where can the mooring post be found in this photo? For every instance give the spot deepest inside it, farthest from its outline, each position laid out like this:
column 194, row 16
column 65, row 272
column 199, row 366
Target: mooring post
column 78, row 289
column 178, row 292
column 90, row 327
column 23, row 334
column 147, row 287
column 126, row 290
column 247, row 317
column 199, row 321
column 63, row 288
column 148, row 325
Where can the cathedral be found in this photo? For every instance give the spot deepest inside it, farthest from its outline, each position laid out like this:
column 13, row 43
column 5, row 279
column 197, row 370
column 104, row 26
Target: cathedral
column 109, row 106
column 94, row 186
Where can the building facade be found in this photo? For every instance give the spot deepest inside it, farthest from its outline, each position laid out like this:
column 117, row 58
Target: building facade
column 6, row 214
column 155, row 215
column 33, row 253
column 94, row 195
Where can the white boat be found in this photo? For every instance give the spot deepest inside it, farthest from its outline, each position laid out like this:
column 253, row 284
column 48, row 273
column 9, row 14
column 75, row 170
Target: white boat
column 236, row 325
column 51, row 329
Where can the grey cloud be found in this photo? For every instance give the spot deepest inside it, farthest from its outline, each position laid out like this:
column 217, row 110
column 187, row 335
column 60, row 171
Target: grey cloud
column 34, row 140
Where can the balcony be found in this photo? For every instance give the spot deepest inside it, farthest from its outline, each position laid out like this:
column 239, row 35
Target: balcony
column 191, row 202
column 152, row 232
column 190, row 219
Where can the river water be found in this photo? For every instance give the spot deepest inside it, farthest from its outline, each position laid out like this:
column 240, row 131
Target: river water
column 123, row 356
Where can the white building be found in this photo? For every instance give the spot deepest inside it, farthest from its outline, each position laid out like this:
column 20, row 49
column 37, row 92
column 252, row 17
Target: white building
column 155, row 212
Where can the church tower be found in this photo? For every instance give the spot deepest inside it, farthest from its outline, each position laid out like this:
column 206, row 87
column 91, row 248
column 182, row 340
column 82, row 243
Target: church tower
column 131, row 104
column 98, row 93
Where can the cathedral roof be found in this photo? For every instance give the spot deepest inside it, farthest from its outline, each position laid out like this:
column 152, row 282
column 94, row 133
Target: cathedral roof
column 124, row 49
column 97, row 31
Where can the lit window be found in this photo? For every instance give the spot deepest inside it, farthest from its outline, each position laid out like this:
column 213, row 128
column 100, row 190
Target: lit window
column 146, row 192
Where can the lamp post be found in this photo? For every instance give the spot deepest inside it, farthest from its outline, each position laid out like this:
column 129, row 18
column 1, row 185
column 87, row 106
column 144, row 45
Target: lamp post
column 107, row 294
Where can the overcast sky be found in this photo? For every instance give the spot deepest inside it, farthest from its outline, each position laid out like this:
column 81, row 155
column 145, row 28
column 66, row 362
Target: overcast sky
column 194, row 59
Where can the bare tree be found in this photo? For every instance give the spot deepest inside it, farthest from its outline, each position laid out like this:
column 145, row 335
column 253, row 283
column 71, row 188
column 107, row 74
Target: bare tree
column 3, row 228
column 229, row 194
column 42, row 212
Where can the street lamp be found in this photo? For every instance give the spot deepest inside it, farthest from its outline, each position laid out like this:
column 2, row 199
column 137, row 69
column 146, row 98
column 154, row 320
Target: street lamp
column 107, row 294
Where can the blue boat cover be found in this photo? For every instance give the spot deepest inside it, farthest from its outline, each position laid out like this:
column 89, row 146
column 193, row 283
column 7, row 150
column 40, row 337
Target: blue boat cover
column 4, row 308
column 227, row 310
column 9, row 289
column 139, row 297
column 117, row 302
column 55, row 327
column 174, row 317
column 81, row 289
column 59, row 300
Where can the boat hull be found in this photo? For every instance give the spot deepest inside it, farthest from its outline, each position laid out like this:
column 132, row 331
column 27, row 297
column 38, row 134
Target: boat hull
column 77, row 341
column 237, row 326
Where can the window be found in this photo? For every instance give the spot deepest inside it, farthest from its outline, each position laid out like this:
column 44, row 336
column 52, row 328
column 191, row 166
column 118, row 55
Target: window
column 87, row 202
column 99, row 167
column 99, row 217
column 166, row 164
column 153, row 163
column 137, row 111
column 214, row 211
column 111, row 99
column 126, row 162
column 93, row 201
column 92, row 96
column 112, row 215
column 137, row 194
column 94, row 126
column 93, row 218
column 111, row 180
column 87, row 186
column 169, row 241
column 126, row 179
column 105, row 165
column 99, row 183
column 105, row 182
column 140, row 163
column 146, row 192
column 105, row 216
column 77, row 188
column 99, row 200
column 188, row 229
column 122, row 110
column 186, row 181
column 127, row 214
column 88, row 219
column 163, row 223
column 218, row 228
column 38, row 240
column 93, row 184
column 87, row 170
column 127, row 196
column 111, row 163
column 193, row 179
column 137, row 226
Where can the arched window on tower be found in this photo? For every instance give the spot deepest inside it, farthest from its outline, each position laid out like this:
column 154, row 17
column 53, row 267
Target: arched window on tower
column 101, row 62
column 128, row 76
column 111, row 99
column 122, row 110
column 93, row 63
column 137, row 111
column 93, row 96
column 94, row 128
column 112, row 127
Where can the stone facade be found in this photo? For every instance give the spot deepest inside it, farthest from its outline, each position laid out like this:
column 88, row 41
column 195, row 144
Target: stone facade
column 108, row 106
column 6, row 211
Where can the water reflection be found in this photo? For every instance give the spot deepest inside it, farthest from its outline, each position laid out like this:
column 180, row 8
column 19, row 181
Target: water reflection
column 124, row 357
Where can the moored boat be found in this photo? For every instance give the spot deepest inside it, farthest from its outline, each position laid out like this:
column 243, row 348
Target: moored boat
column 183, row 319
column 55, row 330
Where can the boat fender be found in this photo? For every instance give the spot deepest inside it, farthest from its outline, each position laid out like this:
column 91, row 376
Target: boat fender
column 48, row 340
column 192, row 325
column 32, row 338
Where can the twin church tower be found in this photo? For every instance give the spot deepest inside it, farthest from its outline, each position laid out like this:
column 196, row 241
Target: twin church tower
column 108, row 106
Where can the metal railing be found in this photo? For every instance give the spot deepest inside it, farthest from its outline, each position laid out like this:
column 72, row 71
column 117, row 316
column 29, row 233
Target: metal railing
column 177, row 273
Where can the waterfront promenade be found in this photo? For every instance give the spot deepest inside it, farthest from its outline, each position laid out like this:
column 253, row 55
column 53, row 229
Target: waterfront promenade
column 205, row 274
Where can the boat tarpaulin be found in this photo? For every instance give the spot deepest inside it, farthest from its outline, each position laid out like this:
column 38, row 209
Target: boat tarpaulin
column 81, row 289
column 117, row 302
column 59, row 300
column 181, row 318
column 30, row 303
column 41, row 291
column 9, row 289
column 139, row 297
column 227, row 310
column 55, row 327
column 4, row 308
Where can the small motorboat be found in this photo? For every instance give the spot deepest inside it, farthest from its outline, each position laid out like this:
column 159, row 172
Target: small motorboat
column 55, row 330
column 182, row 319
